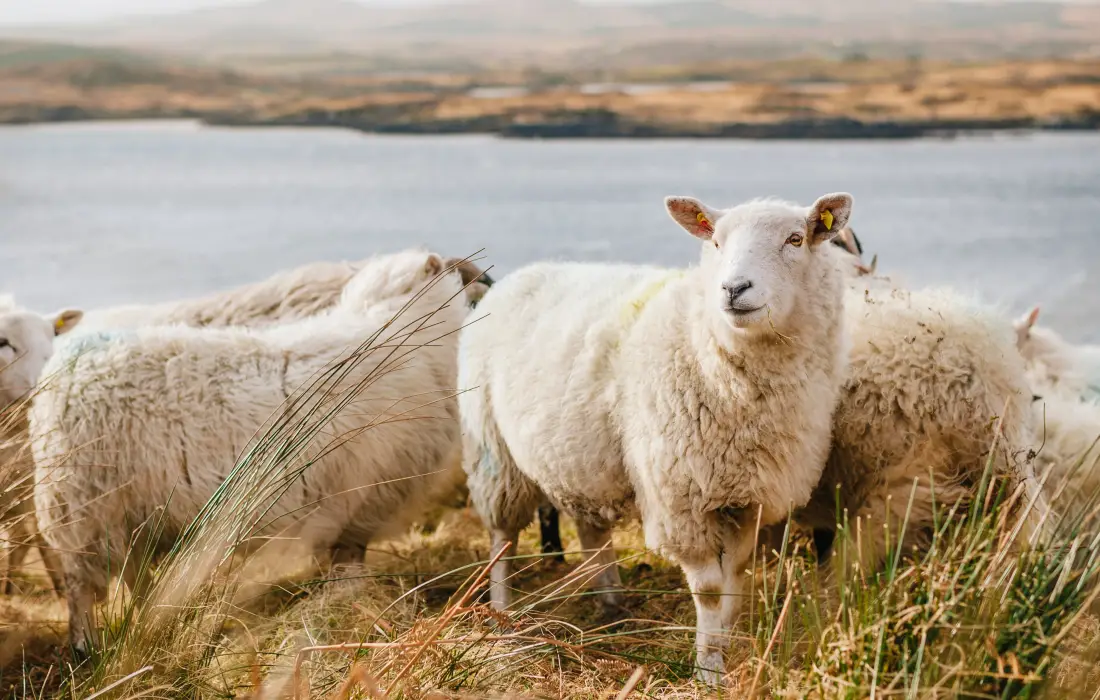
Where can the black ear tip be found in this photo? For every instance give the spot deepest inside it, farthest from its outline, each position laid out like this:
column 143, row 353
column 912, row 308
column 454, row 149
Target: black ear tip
column 855, row 239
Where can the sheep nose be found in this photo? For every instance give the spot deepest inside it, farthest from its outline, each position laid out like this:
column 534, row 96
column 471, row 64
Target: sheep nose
column 736, row 288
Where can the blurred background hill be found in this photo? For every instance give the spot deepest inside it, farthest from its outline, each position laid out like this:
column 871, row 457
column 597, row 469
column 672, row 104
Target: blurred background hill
column 335, row 36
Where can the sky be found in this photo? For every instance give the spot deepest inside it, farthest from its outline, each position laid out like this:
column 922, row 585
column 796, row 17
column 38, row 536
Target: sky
column 23, row 12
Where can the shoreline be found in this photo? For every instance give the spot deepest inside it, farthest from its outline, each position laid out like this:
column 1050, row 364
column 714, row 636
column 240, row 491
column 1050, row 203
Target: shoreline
column 601, row 125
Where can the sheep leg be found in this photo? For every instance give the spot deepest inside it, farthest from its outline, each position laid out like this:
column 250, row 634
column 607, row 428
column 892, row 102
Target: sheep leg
column 596, row 543
column 50, row 561
column 82, row 600
column 8, row 549
column 500, row 595
column 346, row 554
column 550, row 533
column 716, row 587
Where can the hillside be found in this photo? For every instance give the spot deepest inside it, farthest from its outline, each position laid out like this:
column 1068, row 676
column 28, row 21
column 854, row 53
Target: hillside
column 569, row 33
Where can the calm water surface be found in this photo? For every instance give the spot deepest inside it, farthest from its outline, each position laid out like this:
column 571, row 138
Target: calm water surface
column 97, row 214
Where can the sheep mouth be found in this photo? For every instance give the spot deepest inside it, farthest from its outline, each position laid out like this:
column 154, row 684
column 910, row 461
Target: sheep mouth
column 742, row 310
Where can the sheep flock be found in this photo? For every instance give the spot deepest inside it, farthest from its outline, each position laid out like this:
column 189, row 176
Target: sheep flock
column 779, row 382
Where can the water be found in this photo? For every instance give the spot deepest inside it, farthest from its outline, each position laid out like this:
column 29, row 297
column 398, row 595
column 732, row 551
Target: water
column 98, row 214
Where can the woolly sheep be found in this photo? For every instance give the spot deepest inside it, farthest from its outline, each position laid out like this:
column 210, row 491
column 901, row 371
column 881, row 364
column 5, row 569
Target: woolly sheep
column 1054, row 364
column 287, row 296
column 846, row 240
column 26, row 344
column 930, row 372
column 147, row 423
column 692, row 399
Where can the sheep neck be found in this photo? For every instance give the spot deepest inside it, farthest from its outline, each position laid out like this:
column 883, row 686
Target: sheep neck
column 808, row 348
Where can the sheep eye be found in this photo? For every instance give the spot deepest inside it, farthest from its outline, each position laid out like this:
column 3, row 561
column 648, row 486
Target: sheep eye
column 795, row 240
column 5, row 344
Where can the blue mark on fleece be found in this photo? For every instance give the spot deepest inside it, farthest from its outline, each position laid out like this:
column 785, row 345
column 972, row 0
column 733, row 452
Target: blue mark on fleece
column 487, row 465
column 74, row 345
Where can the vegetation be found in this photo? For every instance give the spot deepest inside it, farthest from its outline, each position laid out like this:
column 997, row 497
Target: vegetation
column 980, row 614
column 859, row 97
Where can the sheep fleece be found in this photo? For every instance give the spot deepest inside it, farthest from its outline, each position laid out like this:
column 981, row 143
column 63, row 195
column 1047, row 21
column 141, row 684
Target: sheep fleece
column 134, row 420
column 621, row 400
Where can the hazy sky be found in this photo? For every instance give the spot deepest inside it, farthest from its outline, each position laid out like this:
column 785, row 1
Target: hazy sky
column 60, row 11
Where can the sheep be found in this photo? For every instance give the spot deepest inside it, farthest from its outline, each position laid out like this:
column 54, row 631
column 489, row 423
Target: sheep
column 287, row 296
column 1055, row 365
column 930, row 372
column 846, row 240
column 698, row 400
column 145, row 424
column 26, row 343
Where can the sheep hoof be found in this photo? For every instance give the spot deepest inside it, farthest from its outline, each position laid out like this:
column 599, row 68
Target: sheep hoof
column 710, row 671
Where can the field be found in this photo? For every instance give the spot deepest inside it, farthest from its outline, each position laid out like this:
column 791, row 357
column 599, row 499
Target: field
column 980, row 614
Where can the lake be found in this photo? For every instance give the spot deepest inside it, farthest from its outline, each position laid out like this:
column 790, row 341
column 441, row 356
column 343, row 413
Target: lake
column 105, row 213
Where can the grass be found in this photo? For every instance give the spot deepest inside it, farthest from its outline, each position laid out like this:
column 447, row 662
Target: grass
column 976, row 615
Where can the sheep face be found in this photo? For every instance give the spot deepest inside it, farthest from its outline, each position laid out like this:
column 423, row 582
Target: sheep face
column 26, row 343
column 761, row 257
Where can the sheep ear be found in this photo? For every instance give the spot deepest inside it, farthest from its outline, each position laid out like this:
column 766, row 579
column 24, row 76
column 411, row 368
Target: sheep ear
column 65, row 321
column 697, row 218
column 828, row 216
column 433, row 265
column 1024, row 324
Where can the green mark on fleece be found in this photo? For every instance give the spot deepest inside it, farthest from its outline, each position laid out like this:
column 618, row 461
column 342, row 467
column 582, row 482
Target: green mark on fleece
column 634, row 306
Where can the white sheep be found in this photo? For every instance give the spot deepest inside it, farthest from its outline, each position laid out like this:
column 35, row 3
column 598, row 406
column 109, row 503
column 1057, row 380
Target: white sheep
column 286, row 296
column 142, row 426
column 1056, row 365
column 695, row 399
column 930, row 373
column 26, row 344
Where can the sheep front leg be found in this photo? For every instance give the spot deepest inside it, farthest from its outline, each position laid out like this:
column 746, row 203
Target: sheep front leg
column 82, row 600
column 500, row 595
column 716, row 586
column 596, row 543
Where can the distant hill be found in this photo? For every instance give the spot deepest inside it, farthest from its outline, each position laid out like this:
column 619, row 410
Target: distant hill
column 568, row 32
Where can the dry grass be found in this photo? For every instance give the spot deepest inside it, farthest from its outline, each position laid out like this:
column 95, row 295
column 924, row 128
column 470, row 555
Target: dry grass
column 978, row 615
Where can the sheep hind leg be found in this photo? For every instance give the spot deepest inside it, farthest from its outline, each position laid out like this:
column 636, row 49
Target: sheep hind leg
column 550, row 533
column 716, row 586
column 596, row 543
column 51, row 562
column 12, row 551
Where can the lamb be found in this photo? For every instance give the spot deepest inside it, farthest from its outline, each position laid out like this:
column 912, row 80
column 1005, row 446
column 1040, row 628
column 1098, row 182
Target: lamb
column 930, row 372
column 699, row 400
column 26, row 344
column 149, row 422
column 287, row 296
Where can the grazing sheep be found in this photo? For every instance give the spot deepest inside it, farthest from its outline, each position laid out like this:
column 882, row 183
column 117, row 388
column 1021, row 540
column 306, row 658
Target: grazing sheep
column 142, row 426
column 694, row 399
column 1069, row 456
column 1054, row 364
column 287, row 296
column 26, row 344
column 929, row 374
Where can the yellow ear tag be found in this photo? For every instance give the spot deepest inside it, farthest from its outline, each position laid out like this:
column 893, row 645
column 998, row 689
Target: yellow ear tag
column 59, row 323
column 827, row 219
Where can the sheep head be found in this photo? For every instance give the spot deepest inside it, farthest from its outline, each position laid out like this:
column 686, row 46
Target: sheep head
column 26, row 344
column 761, row 258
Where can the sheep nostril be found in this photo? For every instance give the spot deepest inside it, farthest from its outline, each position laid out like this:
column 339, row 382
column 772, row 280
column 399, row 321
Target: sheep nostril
column 736, row 288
